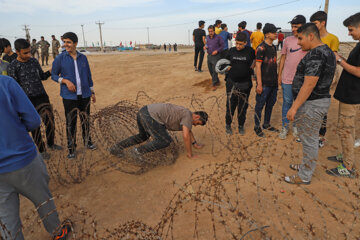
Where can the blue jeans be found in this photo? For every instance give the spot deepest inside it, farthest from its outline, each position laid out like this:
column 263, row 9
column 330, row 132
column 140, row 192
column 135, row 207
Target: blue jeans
column 268, row 99
column 287, row 103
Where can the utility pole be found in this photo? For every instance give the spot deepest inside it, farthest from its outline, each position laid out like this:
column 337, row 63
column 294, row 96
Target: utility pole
column 101, row 41
column 148, row 35
column 82, row 26
column 189, row 36
column 326, row 8
column 27, row 32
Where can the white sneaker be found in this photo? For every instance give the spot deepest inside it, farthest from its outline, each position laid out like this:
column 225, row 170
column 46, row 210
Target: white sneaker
column 283, row 133
column 295, row 132
column 357, row 143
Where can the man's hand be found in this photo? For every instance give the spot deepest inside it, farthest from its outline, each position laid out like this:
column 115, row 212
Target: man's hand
column 69, row 85
column 214, row 52
column 291, row 114
column 198, row 145
column 93, row 98
column 338, row 57
column 259, row 89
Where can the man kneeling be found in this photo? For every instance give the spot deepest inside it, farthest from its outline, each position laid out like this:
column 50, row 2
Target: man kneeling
column 154, row 120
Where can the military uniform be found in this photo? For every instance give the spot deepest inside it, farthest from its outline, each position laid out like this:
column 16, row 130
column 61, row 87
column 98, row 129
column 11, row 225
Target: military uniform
column 55, row 47
column 34, row 50
column 44, row 46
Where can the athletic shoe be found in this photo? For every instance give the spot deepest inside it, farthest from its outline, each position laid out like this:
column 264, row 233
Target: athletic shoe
column 338, row 158
column 55, row 147
column 321, row 142
column 228, row 129
column 45, row 155
column 139, row 160
column 357, row 143
column 270, row 128
column 297, row 139
column 71, row 155
column 196, row 69
column 91, row 146
column 341, row 171
column 295, row 132
column 283, row 133
column 65, row 230
column 241, row 130
column 199, row 70
column 259, row 131
column 116, row 151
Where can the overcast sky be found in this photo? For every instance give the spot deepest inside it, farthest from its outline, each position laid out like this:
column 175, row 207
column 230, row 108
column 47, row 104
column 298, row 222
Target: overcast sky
column 169, row 21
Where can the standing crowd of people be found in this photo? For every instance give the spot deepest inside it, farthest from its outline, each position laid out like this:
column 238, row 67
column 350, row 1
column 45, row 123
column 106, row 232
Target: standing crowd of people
column 305, row 73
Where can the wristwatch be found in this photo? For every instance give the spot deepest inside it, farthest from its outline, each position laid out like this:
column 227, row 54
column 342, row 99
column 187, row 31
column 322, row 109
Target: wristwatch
column 340, row 60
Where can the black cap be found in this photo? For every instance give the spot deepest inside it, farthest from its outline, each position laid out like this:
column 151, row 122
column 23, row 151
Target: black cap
column 269, row 27
column 298, row 19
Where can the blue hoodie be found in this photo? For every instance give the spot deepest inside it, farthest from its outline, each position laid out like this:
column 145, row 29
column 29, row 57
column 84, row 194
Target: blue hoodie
column 17, row 117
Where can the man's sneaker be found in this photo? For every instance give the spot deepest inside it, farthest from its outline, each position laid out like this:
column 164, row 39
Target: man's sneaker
column 65, row 230
column 241, row 130
column 199, row 70
column 341, row 171
column 295, row 132
column 283, row 133
column 337, row 158
column 259, row 131
column 91, row 146
column 196, row 69
column 357, row 143
column 297, row 139
column 270, row 128
column 295, row 179
column 228, row 129
column 321, row 142
column 55, row 147
column 138, row 157
column 45, row 155
column 116, row 151
column 71, row 155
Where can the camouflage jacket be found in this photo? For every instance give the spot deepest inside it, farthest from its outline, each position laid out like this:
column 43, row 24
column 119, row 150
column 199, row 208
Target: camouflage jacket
column 55, row 45
column 44, row 45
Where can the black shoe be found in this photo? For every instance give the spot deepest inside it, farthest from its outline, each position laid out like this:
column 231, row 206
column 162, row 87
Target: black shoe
column 45, row 155
column 241, row 130
column 71, row 154
column 55, row 147
column 200, row 70
column 91, row 146
column 65, row 230
column 259, row 131
column 116, row 151
column 228, row 129
column 270, row 128
column 139, row 160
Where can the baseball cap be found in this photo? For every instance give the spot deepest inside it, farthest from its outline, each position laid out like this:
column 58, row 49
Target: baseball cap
column 298, row 19
column 269, row 27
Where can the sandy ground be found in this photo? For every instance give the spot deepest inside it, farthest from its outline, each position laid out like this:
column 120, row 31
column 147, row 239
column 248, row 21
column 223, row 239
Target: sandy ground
column 115, row 197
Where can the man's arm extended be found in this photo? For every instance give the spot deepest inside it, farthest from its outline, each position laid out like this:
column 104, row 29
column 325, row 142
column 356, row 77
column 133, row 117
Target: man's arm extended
column 187, row 135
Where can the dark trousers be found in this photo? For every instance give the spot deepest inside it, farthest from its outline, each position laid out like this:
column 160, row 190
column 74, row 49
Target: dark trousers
column 268, row 99
column 72, row 107
column 322, row 131
column 236, row 98
column 212, row 60
column 43, row 107
column 147, row 127
column 198, row 50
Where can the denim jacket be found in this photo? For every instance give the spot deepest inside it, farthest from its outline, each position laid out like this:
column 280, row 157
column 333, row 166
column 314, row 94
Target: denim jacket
column 64, row 67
